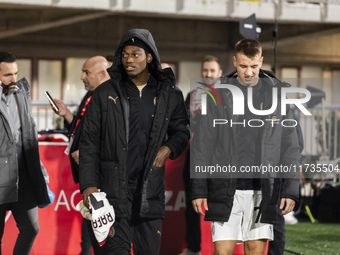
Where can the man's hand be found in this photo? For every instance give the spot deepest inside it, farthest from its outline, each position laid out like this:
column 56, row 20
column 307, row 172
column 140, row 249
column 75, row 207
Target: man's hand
column 86, row 194
column 75, row 156
column 162, row 156
column 197, row 205
column 288, row 204
column 63, row 111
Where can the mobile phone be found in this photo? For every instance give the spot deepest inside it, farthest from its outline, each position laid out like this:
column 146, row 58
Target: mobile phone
column 51, row 101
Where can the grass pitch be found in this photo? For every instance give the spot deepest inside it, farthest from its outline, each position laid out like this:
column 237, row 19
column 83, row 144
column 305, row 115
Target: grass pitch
column 313, row 239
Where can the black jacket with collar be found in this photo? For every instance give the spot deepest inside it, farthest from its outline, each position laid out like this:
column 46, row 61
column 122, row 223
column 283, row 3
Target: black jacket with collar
column 104, row 141
column 211, row 146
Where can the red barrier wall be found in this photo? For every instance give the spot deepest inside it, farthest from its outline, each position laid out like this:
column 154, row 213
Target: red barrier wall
column 60, row 223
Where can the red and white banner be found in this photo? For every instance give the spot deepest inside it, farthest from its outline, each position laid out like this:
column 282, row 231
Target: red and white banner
column 60, row 223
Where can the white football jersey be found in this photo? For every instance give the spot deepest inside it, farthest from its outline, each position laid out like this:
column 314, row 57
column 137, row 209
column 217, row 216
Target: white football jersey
column 101, row 214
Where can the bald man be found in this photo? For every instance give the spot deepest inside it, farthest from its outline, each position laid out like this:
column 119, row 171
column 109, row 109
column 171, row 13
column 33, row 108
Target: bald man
column 93, row 74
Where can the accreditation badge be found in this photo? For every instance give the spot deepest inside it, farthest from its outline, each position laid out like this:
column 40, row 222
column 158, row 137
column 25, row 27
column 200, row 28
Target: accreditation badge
column 67, row 150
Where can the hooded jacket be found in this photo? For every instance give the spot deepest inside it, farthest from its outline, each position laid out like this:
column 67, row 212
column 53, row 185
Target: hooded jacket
column 104, row 140
column 218, row 145
column 9, row 175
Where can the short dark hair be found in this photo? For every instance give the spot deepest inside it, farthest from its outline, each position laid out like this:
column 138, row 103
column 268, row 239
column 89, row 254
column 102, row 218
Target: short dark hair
column 211, row 58
column 7, row 57
column 248, row 47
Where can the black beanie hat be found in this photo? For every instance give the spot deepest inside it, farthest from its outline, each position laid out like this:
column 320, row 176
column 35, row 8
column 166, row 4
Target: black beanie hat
column 134, row 41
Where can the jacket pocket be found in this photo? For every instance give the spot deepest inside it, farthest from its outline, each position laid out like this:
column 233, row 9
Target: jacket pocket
column 109, row 178
column 155, row 189
column 4, row 171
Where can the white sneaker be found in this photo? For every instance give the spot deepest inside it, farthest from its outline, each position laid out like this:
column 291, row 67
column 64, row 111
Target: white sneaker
column 189, row 252
column 290, row 218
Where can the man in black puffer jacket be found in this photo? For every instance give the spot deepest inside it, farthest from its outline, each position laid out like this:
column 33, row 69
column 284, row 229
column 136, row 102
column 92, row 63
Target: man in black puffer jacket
column 243, row 206
column 134, row 123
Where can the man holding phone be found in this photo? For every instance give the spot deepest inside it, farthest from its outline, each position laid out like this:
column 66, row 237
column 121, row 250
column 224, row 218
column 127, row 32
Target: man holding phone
column 22, row 184
column 93, row 74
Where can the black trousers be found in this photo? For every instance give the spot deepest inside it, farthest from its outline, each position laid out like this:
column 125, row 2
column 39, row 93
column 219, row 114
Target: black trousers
column 192, row 219
column 86, row 243
column 144, row 234
column 277, row 246
column 25, row 213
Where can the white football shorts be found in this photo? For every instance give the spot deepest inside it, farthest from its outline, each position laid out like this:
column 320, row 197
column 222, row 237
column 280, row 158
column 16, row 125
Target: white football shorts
column 244, row 222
